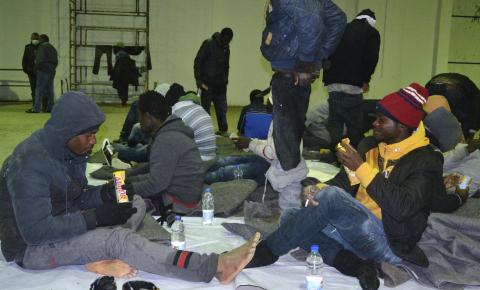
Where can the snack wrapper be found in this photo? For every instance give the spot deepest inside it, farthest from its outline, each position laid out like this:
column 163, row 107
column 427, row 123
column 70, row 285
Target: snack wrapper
column 119, row 181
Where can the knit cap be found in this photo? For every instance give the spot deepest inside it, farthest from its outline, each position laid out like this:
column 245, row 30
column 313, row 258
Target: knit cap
column 405, row 106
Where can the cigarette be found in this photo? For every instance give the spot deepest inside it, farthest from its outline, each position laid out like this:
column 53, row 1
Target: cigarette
column 306, row 202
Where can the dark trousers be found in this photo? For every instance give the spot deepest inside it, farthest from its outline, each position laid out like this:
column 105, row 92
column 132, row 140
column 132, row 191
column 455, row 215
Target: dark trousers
column 290, row 104
column 345, row 109
column 44, row 89
column 131, row 119
column 217, row 95
column 122, row 90
column 99, row 51
column 32, row 78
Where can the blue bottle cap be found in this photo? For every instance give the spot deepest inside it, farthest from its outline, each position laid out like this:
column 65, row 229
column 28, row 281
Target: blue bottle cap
column 178, row 218
column 314, row 248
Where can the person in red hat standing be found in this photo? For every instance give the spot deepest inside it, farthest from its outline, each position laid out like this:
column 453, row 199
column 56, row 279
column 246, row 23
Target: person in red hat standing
column 376, row 208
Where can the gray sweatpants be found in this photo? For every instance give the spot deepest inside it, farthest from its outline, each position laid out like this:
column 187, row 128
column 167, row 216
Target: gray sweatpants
column 124, row 244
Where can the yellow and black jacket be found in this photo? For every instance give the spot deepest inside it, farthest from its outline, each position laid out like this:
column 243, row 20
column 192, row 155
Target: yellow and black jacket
column 401, row 184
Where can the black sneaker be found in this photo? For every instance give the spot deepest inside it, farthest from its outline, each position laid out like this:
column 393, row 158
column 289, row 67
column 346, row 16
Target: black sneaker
column 31, row 111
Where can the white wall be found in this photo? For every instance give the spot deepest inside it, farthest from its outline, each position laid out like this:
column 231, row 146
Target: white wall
column 464, row 45
column 415, row 37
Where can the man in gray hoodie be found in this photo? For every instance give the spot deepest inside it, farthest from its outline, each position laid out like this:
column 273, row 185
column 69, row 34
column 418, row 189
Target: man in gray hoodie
column 51, row 217
column 174, row 173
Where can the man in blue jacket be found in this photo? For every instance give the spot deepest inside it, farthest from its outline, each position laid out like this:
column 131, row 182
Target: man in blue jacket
column 298, row 37
column 51, row 217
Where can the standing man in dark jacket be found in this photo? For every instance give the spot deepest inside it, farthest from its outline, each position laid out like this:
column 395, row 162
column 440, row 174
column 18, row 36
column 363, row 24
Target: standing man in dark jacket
column 298, row 38
column 347, row 76
column 51, row 217
column 379, row 210
column 28, row 62
column 211, row 74
column 45, row 65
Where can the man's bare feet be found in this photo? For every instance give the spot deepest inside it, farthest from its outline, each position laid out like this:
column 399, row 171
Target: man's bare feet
column 231, row 263
column 116, row 268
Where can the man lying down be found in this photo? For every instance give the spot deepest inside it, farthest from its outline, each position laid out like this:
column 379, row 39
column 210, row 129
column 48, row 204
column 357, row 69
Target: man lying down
column 50, row 217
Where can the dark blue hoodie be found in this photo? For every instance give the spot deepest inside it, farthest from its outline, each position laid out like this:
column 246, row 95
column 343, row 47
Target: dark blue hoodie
column 44, row 196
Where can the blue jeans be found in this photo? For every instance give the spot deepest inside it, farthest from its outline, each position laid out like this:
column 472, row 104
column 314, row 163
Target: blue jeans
column 137, row 149
column 253, row 167
column 44, row 88
column 338, row 222
column 290, row 104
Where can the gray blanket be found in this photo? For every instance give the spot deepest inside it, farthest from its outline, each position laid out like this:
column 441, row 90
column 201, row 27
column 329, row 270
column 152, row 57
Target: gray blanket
column 452, row 245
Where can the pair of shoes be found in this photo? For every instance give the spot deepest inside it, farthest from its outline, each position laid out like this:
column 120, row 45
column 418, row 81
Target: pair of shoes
column 47, row 111
column 31, row 111
column 108, row 283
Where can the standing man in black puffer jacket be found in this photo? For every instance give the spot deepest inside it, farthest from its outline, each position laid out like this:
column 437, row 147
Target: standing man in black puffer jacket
column 347, row 76
column 211, row 74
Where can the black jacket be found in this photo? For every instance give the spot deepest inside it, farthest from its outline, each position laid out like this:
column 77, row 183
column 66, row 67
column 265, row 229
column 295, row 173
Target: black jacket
column 46, row 58
column 125, row 71
column 212, row 62
column 28, row 59
column 356, row 57
column 413, row 189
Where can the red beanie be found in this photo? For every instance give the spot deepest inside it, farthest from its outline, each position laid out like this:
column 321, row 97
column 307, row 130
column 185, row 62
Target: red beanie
column 405, row 106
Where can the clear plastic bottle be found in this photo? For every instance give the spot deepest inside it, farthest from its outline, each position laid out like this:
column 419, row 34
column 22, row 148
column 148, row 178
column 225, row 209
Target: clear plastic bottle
column 208, row 207
column 237, row 172
column 178, row 234
column 313, row 275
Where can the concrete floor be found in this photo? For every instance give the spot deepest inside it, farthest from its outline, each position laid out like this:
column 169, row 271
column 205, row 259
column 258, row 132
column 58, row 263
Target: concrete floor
column 16, row 125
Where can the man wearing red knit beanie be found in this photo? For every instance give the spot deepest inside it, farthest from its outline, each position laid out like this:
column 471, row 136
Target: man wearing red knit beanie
column 376, row 208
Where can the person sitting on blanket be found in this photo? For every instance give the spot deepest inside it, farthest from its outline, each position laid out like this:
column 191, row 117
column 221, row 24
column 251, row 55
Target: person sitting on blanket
column 376, row 208
column 174, row 173
column 51, row 217
column 460, row 157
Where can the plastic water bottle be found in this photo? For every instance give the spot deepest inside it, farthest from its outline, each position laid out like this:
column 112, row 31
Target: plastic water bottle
column 178, row 234
column 237, row 172
column 314, row 263
column 208, row 207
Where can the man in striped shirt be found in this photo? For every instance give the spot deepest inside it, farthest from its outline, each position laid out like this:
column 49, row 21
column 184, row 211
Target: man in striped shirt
column 194, row 116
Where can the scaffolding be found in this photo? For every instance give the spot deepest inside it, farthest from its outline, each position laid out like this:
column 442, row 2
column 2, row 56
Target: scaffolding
column 99, row 22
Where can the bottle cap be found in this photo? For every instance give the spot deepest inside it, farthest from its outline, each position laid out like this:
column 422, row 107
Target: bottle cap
column 314, row 248
column 208, row 189
column 178, row 218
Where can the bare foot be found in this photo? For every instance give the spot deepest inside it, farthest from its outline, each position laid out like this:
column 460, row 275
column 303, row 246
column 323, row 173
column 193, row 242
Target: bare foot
column 231, row 263
column 116, row 268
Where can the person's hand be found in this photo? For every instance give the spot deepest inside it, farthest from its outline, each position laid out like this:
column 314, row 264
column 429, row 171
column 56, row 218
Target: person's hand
column 204, row 86
column 308, row 194
column 107, row 193
column 349, row 157
column 114, row 214
column 241, row 142
column 366, row 87
column 303, row 78
column 451, row 180
column 473, row 144
column 129, row 189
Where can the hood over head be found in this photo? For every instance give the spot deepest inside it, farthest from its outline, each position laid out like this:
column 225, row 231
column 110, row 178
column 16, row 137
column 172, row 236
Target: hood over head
column 73, row 114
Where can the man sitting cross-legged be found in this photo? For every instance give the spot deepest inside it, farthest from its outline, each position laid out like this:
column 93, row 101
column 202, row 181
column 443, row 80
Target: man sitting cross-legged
column 376, row 208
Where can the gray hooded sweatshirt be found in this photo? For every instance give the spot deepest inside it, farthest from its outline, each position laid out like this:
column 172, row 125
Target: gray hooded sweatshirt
column 44, row 194
column 174, row 168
